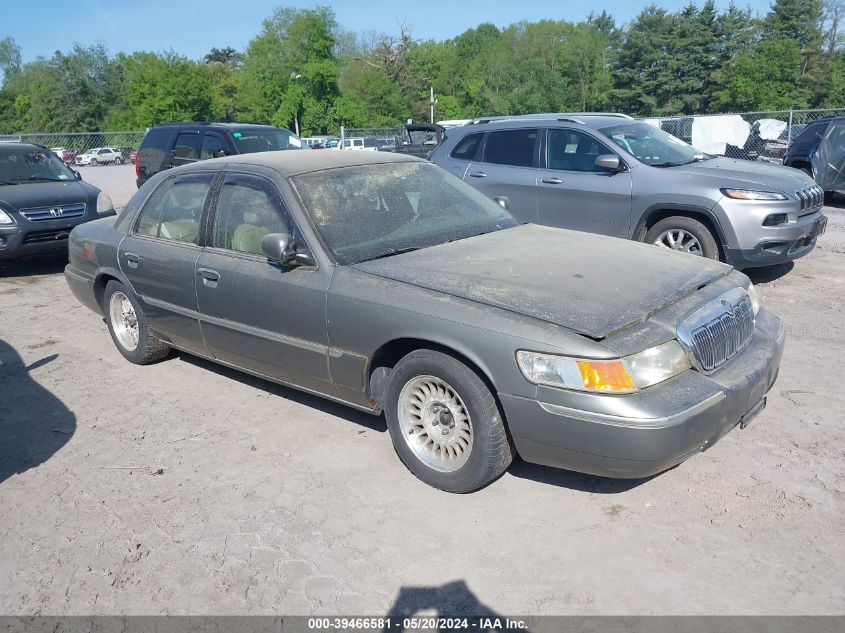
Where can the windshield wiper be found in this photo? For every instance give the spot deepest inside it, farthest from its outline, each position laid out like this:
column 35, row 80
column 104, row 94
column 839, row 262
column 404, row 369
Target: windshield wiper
column 46, row 178
column 9, row 182
column 391, row 253
column 667, row 164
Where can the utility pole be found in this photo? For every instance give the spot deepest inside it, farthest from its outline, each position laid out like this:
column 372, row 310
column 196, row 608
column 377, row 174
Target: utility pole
column 432, row 101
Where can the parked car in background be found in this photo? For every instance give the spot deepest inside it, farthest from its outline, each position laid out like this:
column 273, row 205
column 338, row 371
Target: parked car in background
column 610, row 174
column 318, row 142
column 819, row 151
column 128, row 154
column 70, row 155
column 99, row 156
column 175, row 144
column 355, row 143
column 59, row 152
column 41, row 200
column 381, row 281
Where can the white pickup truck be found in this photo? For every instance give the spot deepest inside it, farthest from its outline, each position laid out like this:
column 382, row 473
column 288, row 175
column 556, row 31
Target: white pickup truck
column 355, row 143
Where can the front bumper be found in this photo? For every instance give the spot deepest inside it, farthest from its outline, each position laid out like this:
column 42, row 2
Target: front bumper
column 784, row 244
column 643, row 434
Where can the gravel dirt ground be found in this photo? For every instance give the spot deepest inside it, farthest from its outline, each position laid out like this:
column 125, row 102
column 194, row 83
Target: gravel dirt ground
column 187, row 488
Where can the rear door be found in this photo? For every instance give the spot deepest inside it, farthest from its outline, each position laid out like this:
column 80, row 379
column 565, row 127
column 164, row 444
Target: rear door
column 257, row 314
column 186, row 147
column 159, row 254
column 507, row 170
column 574, row 194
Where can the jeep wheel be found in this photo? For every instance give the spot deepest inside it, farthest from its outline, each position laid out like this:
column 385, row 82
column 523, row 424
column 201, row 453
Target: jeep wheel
column 445, row 423
column 683, row 234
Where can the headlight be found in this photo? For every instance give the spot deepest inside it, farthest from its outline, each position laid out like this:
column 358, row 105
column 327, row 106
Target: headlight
column 755, row 298
column 104, row 203
column 744, row 194
column 619, row 375
column 5, row 218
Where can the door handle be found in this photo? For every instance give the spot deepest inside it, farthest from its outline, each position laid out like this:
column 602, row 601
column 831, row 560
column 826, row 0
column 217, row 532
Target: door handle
column 132, row 259
column 552, row 181
column 478, row 174
column 207, row 273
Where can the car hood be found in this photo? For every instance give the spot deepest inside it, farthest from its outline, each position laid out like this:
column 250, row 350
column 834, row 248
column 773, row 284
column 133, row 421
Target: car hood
column 591, row 284
column 732, row 172
column 44, row 194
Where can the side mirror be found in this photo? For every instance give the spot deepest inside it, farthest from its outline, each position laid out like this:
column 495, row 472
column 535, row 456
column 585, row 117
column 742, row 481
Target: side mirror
column 76, row 174
column 608, row 162
column 278, row 247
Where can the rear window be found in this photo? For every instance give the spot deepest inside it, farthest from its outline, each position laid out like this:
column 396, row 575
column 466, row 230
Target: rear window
column 467, row 146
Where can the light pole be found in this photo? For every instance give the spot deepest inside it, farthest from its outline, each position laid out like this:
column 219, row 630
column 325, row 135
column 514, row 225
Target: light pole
column 432, row 100
column 296, row 75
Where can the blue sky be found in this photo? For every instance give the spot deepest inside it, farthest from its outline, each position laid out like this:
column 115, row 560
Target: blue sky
column 192, row 27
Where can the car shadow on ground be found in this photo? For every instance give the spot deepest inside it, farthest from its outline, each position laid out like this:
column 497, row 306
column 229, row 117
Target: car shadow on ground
column 371, row 422
column 768, row 274
column 572, row 480
column 34, row 424
column 48, row 264
column 452, row 600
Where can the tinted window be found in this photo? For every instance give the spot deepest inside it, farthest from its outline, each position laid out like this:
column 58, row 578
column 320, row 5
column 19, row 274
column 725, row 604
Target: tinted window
column 511, row 147
column 573, row 151
column 265, row 140
column 812, row 132
column 174, row 210
column 467, row 146
column 156, row 137
column 187, row 146
column 249, row 209
column 213, row 147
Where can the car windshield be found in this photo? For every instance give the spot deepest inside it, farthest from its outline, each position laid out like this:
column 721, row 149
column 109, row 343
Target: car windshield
column 652, row 146
column 372, row 211
column 32, row 165
column 263, row 140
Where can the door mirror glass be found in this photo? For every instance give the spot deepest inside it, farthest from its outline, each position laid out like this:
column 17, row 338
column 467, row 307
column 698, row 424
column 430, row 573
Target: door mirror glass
column 608, row 162
column 77, row 175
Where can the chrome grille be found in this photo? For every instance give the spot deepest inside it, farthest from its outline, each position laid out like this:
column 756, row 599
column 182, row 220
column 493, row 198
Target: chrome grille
column 718, row 331
column 810, row 198
column 56, row 212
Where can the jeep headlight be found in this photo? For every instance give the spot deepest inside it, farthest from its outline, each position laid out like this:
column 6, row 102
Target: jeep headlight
column 617, row 375
column 747, row 194
column 104, row 203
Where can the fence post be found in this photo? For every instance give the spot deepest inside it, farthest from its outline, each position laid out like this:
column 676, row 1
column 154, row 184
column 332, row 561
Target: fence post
column 789, row 134
column 342, row 136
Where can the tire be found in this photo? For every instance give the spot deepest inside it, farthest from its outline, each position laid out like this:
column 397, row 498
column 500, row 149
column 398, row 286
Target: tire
column 703, row 242
column 94, row 162
column 466, row 403
column 147, row 346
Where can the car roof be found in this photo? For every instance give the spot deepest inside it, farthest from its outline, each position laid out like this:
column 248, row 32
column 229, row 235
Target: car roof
column 293, row 162
column 217, row 124
column 20, row 146
column 590, row 119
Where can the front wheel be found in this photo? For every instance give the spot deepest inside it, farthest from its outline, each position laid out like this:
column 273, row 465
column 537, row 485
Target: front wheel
column 94, row 162
column 685, row 235
column 445, row 423
column 129, row 328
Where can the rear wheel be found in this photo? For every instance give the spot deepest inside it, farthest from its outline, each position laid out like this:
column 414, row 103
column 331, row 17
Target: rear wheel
column 445, row 423
column 129, row 327
column 685, row 235
column 94, row 162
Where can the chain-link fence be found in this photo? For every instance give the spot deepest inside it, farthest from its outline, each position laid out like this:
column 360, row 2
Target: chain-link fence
column 747, row 135
column 72, row 144
column 367, row 137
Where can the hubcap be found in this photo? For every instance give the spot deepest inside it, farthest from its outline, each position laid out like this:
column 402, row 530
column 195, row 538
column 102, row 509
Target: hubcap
column 124, row 321
column 435, row 423
column 679, row 240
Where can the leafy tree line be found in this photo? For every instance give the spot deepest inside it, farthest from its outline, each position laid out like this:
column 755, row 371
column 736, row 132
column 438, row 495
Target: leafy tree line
column 303, row 69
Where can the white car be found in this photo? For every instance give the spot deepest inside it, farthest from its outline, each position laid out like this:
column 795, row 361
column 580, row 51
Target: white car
column 59, row 151
column 355, row 143
column 100, row 156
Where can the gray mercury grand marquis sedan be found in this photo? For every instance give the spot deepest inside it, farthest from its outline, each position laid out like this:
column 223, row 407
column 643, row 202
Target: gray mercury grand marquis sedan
column 383, row 282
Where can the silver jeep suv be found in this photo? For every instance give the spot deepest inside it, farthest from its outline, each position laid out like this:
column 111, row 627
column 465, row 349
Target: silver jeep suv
column 611, row 174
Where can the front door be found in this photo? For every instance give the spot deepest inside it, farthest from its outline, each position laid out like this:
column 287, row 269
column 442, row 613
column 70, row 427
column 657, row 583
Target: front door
column 159, row 254
column 257, row 314
column 574, row 194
